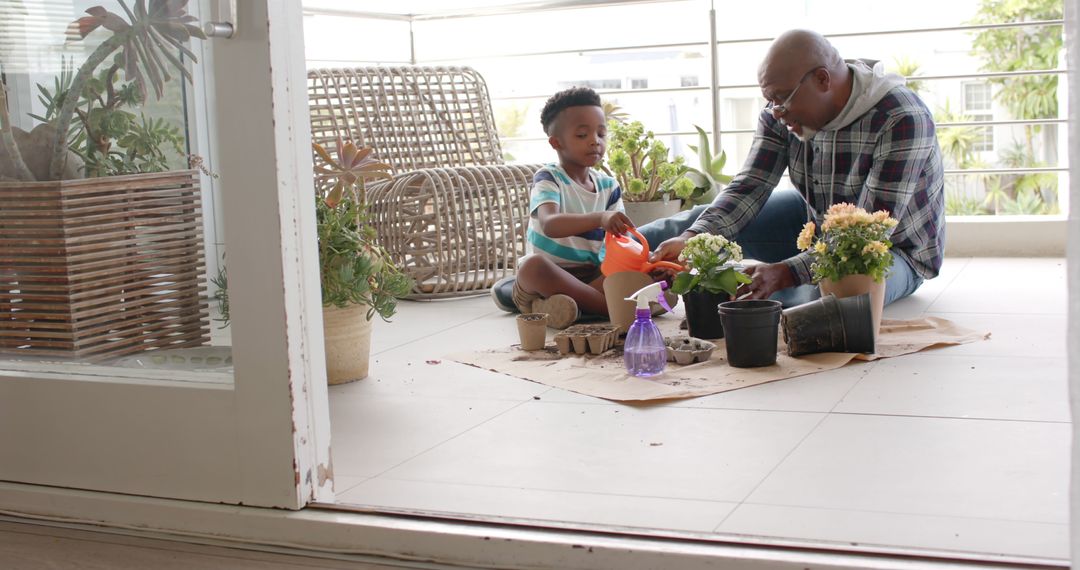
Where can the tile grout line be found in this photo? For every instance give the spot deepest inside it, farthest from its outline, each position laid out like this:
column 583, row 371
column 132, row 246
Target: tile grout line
column 449, row 439
column 429, row 335
column 795, row 447
column 967, row 262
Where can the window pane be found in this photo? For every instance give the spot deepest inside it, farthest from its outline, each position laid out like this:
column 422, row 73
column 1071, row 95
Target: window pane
column 103, row 270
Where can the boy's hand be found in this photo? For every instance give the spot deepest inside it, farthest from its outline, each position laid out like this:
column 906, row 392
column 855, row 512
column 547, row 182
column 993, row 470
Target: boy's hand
column 615, row 222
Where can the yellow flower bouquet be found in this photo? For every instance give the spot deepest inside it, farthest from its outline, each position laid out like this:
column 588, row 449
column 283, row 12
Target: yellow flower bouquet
column 852, row 242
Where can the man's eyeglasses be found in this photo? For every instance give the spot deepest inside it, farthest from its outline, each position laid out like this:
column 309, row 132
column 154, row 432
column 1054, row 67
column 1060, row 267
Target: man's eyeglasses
column 782, row 108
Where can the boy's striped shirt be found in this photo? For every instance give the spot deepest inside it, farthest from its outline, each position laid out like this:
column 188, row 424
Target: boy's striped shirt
column 552, row 185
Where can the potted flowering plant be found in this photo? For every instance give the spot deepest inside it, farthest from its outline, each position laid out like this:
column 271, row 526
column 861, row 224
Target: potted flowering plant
column 648, row 178
column 851, row 254
column 711, row 277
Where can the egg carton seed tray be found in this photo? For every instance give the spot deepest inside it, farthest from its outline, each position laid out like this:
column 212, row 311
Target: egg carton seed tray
column 688, row 350
column 585, row 339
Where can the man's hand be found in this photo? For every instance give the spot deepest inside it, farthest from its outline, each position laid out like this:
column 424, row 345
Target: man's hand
column 615, row 222
column 765, row 279
column 669, row 250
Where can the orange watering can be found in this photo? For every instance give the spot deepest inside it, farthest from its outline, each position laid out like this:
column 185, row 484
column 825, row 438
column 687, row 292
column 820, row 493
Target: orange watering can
column 625, row 254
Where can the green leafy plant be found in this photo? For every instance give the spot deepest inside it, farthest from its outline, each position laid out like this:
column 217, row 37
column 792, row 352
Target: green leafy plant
column 710, row 262
column 1033, row 192
column 144, row 48
column 958, row 204
column 708, row 178
column 852, row 242
column 221, row 294
column 639, row 161
column 957, row 142
column 354, row 269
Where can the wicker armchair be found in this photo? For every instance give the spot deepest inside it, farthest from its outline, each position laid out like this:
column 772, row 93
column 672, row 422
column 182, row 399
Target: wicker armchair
column 454, row 216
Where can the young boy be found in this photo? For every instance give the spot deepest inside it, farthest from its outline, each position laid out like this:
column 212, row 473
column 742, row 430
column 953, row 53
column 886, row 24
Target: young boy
column 571, row 207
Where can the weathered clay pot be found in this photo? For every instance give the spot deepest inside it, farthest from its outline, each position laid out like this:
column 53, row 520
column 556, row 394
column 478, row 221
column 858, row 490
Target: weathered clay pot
column 532, row 329
column 348, row 343
column 855, row 285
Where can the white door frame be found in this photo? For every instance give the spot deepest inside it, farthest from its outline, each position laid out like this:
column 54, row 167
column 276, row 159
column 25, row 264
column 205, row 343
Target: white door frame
column 262, row 439
column 342, row 534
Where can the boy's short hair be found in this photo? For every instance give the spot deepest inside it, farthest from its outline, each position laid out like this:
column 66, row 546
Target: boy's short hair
column 572, row 97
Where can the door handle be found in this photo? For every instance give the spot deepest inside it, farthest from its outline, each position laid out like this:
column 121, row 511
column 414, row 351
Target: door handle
column 226, row 27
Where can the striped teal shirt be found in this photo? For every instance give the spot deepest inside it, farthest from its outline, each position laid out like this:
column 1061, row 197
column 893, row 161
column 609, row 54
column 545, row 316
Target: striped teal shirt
column 552, row 184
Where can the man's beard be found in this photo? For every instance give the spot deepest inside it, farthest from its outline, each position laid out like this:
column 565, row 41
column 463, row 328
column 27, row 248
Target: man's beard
column 807, row 133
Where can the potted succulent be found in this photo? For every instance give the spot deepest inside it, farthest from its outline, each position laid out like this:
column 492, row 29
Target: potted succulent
column 851, row 254
column 708, row 178
column 138, row 55
column 711, row 277
column 358, row 278
column 127, row 238
column 652, row 184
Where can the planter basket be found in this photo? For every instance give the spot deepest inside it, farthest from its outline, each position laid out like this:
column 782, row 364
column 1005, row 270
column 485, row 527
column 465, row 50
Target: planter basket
column 103, row 267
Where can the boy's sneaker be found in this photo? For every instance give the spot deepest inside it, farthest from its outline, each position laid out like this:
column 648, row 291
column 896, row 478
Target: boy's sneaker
column 561, row 309
column 502, row 292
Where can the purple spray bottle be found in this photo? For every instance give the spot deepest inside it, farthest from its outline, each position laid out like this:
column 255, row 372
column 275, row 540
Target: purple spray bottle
column 644, row 352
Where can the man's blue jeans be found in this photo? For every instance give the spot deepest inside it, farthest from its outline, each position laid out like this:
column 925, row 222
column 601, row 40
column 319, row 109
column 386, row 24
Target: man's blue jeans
column 771, row 237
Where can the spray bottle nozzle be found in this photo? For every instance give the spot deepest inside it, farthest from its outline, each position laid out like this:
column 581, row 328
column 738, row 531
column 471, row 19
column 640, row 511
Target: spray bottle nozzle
column 650, row 293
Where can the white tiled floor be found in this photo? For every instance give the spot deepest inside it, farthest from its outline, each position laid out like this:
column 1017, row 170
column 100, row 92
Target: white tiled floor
column 961, row 449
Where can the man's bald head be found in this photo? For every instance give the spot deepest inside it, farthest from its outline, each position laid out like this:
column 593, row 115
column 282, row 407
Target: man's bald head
column 794, row 53
column 804, row 63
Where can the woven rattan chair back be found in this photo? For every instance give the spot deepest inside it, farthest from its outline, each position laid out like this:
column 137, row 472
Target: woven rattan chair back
column 416, row 117
column 454, row 217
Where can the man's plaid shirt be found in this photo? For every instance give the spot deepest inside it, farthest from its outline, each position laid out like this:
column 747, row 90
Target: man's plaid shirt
column 887, row 159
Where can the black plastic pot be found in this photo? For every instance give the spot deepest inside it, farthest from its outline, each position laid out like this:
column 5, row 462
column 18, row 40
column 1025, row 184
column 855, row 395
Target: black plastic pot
column 751, row 328
column 829, row 325
column 702, row 319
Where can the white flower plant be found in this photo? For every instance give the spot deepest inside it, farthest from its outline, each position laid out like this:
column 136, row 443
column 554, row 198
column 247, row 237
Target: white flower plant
column 712, row 265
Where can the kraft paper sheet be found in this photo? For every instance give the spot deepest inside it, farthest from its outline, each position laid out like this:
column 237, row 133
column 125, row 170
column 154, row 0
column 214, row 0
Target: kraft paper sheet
column 604, row 376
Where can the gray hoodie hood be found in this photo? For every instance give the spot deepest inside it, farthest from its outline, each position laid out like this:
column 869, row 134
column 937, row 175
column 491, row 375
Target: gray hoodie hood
column 870, row 83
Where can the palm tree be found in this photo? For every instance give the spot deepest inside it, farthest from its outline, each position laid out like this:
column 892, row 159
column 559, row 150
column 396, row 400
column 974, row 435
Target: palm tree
column 909, row 68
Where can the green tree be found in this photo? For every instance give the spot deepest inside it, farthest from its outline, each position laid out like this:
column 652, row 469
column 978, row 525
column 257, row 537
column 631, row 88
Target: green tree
column 509, row 121
column 909, row 68
column 1018, row 49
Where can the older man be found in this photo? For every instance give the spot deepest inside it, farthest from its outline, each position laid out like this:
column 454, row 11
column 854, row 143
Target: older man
column 845, row 131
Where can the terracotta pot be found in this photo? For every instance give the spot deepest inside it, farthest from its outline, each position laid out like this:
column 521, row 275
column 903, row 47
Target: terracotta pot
column 642, row 213
column 532, row 329
column 348, row 343
column 854, row 285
